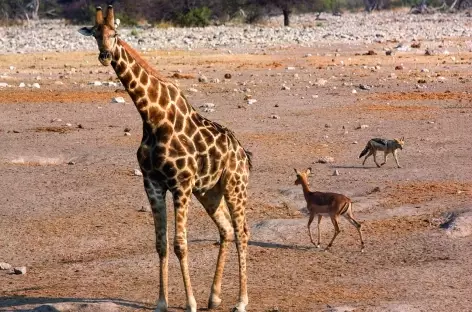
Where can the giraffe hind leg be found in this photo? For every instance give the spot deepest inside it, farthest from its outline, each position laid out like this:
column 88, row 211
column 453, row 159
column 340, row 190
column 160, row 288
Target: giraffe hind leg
column 217, row 210
column 236, row 202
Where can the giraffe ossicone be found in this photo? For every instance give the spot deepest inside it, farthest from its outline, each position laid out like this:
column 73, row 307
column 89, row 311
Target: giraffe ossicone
column 183, row 153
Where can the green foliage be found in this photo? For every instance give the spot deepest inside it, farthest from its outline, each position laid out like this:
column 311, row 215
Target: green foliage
column 125, row 19
column 197, row 17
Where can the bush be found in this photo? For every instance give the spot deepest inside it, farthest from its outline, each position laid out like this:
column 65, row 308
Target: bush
column 198, row 17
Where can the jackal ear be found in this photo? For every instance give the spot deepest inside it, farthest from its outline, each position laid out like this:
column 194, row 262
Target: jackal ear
column 403, row 139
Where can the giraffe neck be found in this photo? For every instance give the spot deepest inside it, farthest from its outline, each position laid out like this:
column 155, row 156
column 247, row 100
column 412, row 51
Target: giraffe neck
column 152, row 95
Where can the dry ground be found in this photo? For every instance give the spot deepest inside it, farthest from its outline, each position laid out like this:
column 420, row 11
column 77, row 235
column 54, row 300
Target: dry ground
column 78, row 230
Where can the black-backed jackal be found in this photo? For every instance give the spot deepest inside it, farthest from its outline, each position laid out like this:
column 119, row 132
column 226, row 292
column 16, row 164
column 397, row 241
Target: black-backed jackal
column 387, row 146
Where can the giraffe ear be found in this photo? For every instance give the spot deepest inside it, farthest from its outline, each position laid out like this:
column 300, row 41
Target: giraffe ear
column 86, row 31
column 110, row 19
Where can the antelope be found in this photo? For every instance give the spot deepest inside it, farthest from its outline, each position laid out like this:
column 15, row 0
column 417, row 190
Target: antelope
column 326, row 204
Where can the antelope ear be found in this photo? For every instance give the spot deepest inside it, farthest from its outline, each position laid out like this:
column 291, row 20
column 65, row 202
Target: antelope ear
column 308, row 171
column 86, row 31
column 296, row 171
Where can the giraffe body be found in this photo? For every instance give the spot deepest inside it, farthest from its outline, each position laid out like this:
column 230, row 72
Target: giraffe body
column 183, row 153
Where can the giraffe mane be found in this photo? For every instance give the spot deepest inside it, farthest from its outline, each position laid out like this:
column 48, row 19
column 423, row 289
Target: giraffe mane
column 139, row 60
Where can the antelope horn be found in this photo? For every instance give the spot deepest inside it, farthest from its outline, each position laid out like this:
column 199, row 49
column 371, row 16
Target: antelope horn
column 99, row 16
column 110, row 19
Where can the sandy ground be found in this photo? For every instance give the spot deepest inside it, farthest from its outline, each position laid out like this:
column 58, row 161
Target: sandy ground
column 78, row 229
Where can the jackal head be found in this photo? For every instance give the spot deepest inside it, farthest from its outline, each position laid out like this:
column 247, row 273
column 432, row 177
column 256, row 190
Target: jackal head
column 400, row 142
column 302, row 177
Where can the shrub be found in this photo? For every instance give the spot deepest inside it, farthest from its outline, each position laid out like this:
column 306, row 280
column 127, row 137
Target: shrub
column 198, row 17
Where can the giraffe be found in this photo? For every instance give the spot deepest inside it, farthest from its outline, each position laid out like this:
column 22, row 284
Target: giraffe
column 182, row 153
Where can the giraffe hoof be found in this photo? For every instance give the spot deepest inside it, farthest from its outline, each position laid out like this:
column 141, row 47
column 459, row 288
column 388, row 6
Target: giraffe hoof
column 161, row 306
column 214, row 302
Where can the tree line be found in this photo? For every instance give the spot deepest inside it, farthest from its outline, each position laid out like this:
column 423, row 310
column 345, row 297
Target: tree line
column 188, row 12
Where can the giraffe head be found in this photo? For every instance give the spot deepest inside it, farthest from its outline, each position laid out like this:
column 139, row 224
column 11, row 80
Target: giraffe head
column 302, row 177
column 105, row 33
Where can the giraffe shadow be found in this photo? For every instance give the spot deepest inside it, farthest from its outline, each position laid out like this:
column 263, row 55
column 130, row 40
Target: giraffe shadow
column 18, row 301
column 258, row 244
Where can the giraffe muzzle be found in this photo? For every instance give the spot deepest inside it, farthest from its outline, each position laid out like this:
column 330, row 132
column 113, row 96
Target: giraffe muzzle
column 105, row 58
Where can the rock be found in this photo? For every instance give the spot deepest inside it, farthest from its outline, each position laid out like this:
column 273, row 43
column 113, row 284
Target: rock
column 355, row 142
column 68, row 124
column 59, row 83
column 458, row 224
column 388, row 52
column 21, row 85
column 416, row 45
column 274, row 116
column 192, row 90
column 336, row 172
column 428, row 52
column 137, row 173
column 203, row 79
column 321, row 82
column 36, row 85
column 354, row 91
column 399, row 67
column 95, row 83
column 284, row 87
column 5, row 266
column 71, row 162
column 79, row 307
column 209, row 110
column 251, row 101
column 127, row 134
column 327, row 125
column 362, row 127
column 215, row 80
column 291, row 68
column 145, row 209
column 19, row 270
column 12, row 68
column 325, row 160
column 3, row 84
column 365, row 87
column 207, row 105
column 370, row 52
column 127, row 129
column 118, row 99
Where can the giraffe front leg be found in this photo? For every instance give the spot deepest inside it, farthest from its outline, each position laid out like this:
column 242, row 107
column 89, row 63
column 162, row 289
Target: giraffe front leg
column 181, row 201
column 236, row 205
column 156, row 195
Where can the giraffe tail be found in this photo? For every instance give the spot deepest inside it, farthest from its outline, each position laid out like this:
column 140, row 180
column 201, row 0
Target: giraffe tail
column 249, row 158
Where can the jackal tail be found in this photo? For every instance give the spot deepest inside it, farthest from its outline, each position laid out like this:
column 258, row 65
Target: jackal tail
column 364, row 151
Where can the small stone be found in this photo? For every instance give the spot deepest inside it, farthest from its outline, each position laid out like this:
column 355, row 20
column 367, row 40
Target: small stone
column 207, row 105
column 325, row 160
column 327, row 125
column 291, row 68
column 355, row 142
column 336, row 172
column 388, row 52
column 321, row 82
column 370, row 52
column 308, row 55
column 203, row 79
column 56, row 120
column 3, row 84
column 127, row 134
column 71, row 162
column 251, row 101
column 209, row 110
column 192, row 90
column 228, row 76
column 95, row 83
column 118, row 99
column 274, row 116
column 416, row 45
column 284, row 87
column 354, row 91
column 430, row 122
column 421, row 80
column 314, row 96
column 399, row 67
column 59, row 83
column 19, row 270
column 276, row 105
column 12, row 68
column 36, row 85
column 80, row 126
column 21, row 85
column 362, row 127
column 145, row 209
column 68, row 124
column 365, row 87
column 5, row 266
column 137, row 173
column 428, row 52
